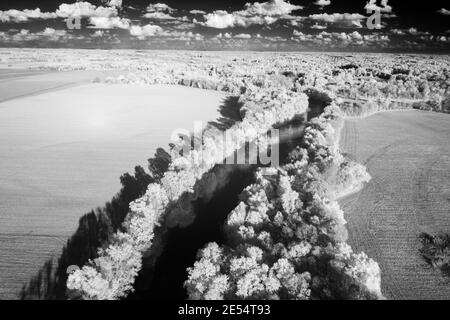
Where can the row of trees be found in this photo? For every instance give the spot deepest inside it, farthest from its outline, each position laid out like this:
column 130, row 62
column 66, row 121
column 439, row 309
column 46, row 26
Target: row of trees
column 349, row 76
column 394, row 78
column 112, row 274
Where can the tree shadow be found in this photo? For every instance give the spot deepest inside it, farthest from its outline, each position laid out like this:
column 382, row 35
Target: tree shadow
column 96, row 227
column 230, row 112
column 94, row 231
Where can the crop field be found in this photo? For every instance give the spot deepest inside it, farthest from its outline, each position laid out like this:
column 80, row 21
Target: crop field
column 64, row 142
column 407, row 153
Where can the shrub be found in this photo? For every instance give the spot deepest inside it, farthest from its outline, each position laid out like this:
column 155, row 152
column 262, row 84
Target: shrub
column 436, row 251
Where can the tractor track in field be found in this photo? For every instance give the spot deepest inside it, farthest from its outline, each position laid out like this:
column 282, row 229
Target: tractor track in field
column 408, row 156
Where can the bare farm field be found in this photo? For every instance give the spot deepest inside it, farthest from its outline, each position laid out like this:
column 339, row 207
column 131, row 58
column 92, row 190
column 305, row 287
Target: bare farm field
column 407, row 153
column 64, row 141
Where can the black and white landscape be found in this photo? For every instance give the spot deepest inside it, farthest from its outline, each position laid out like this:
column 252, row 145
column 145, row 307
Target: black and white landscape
column 275, row 150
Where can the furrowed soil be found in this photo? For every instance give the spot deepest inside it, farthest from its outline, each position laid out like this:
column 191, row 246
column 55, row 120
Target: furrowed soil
column 407, row 153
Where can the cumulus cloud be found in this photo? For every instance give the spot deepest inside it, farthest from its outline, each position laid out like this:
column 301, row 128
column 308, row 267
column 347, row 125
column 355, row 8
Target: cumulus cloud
column 270, row 8
column 340, row 39
column 243, row 36
column 84, row 9
column 256, row 13
column 197, row 12
column 343, row 19
column 322, row 3
column 143, row 32
column 220, row 19
column 160, row 7
column 115, row 3
column 52, row 34
column 223, row 36
column 372, row 6
column 159, row 15
column 318, row 27
column 24, row 15
column 413, row 31
column 48, row 34
column 98, row 34
column 77, row 9
column 24, row 32
column 49, row 31
column 397, row 31
column 444, row 11
column 109, row 23
column 376, row 39
column 161, row 11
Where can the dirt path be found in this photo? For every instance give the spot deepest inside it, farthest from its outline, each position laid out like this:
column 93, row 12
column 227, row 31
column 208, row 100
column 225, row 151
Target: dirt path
column 407, row 154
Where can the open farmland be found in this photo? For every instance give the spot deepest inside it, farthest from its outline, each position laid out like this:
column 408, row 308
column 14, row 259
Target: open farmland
column 64, row 142
column 407, row 153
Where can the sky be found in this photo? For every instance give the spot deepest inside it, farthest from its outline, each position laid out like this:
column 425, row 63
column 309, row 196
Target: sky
column 274, row 25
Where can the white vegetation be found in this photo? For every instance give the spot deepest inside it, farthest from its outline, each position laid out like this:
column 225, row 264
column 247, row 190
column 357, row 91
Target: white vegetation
column 287, row 236
column 360, row 77
column 112, row 274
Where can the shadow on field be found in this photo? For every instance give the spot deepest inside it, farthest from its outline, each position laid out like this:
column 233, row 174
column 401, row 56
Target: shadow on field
column 96, row 227
column 94, row 231
column 230, row 112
